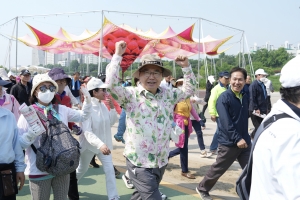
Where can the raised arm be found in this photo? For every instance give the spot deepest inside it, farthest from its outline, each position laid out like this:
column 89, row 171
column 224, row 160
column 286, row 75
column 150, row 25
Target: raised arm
column 112, row 75
column 189, row 80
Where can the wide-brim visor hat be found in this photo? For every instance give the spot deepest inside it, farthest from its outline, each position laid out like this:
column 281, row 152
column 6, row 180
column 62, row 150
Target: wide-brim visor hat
column 95, row 83
column 179, row 80
column 4, row 83
column 151, row 59
column 59, row 74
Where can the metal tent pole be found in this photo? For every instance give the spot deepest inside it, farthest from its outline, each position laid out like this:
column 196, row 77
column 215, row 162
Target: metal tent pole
column 174, row 69
column 17, row 44
column 205, row 58
column 249, row 58
column 101, row 47
column 199, row 36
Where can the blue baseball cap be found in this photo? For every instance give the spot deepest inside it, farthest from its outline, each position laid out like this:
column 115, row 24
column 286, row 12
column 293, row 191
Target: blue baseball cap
column 224, row 74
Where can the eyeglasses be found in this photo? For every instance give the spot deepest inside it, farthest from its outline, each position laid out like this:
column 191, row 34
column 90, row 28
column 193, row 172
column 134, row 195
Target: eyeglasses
column 43, row 88
column 147, row 74
column 102, row 89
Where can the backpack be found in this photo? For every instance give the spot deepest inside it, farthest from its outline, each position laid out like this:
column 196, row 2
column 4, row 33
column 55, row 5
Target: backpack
column 58, row 153
column 243, row 184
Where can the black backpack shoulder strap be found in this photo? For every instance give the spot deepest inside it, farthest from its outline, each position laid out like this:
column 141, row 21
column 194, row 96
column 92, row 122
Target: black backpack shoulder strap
column 33, row 148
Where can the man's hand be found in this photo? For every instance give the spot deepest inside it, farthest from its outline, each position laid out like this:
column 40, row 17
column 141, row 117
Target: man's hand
column 110, row 103
column 105, row 150
column 20, row 178
column 257, row 112
column 120, row 48
column 182, row 61
column 242, row 144
column 213, row 118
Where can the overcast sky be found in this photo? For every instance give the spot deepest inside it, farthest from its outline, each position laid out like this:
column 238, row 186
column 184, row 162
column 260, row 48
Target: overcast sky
column 273, row 21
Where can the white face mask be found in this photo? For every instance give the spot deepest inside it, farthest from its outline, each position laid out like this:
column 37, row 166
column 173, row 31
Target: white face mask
column 46, row 97
column 262, row 79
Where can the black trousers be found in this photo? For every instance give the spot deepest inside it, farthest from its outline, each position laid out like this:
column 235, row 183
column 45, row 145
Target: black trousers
column 73, row 187
column 269, row 103
column 226, row 156
column 256, row 121
column 204, row 108
column 146, row 181
column 13, row 168
column 183, row 152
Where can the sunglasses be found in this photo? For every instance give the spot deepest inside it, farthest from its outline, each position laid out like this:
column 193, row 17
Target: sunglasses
column 43, row 88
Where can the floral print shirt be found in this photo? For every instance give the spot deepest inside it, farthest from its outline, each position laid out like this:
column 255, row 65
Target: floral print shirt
column 149, row 117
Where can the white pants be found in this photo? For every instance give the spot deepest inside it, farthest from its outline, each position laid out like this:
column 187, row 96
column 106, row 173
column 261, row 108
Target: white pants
column 108, row 168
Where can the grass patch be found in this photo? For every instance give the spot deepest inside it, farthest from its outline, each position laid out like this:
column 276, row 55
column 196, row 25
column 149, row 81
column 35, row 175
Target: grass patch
column 275, row 82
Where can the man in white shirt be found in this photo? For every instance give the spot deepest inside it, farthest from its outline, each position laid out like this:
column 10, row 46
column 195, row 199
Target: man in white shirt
column 276, row 163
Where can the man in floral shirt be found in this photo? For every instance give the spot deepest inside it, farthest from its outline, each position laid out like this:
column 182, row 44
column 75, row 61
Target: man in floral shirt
column 149, row 109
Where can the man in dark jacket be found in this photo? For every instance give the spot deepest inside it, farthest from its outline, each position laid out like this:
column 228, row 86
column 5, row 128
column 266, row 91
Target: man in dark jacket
column 21, row 90
column 258, row 99
column 234, row 140
column 209, row 87
column 74, row 85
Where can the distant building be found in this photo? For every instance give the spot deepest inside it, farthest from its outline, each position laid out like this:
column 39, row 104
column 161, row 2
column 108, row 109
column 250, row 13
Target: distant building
column 38, row 57
column 288, row 47
column 50, row 58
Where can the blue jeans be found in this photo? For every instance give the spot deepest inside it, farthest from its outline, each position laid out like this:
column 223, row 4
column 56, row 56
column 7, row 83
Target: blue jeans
column 196, row 125
column 214, row 142
column 122, row 124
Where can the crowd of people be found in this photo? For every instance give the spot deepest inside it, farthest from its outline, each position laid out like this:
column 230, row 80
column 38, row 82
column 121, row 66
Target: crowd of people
column 153, row 110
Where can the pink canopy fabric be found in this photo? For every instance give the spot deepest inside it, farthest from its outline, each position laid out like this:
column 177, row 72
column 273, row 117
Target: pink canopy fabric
column 166, row 44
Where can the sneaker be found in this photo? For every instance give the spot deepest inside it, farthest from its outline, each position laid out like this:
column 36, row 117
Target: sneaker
column 213, row 152
column 205, row 154
column 204, row 195
column 93, row 163
column 163, row 196
column 127, row 182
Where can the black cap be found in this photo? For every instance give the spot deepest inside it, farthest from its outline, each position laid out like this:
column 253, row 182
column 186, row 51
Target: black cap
column 24, row 72
column 102, row 76
column 224, row 74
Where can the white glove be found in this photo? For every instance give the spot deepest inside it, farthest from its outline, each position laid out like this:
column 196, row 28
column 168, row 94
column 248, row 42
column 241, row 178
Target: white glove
column 33, row 132
column 86, row 94
column 175, row 133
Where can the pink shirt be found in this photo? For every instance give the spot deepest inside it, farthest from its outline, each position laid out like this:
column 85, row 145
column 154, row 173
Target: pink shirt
column 11, row 104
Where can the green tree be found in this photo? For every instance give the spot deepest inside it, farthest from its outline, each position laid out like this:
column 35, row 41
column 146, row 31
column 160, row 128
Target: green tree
column 74, row 65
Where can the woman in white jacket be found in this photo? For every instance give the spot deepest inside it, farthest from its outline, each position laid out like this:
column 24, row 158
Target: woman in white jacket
column 42, row 97
column 97, row 138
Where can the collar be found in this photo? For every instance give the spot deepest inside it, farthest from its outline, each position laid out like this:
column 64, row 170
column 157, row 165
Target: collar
column 4, row 112
column 237, row 94
column 294, row 108
column 95, row 101
column 62, row 94
column 223, row 85
column 146, row 93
